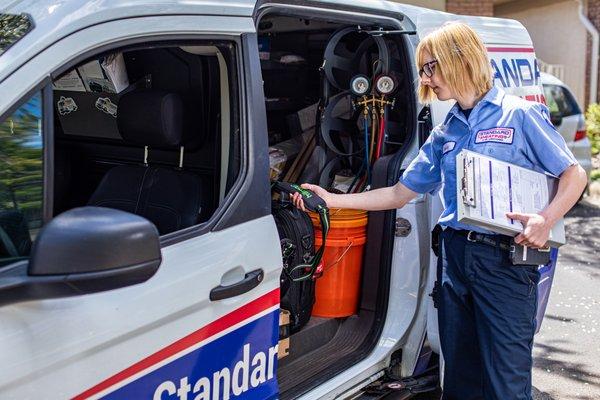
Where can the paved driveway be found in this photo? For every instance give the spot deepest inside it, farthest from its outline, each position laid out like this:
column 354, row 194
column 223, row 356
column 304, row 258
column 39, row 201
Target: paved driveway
column 567, row 348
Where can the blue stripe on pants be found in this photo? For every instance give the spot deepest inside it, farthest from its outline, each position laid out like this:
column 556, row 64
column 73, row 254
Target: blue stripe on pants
column 486, row 312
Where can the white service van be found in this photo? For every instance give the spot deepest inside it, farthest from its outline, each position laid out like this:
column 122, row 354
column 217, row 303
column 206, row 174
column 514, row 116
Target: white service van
column 164, row 111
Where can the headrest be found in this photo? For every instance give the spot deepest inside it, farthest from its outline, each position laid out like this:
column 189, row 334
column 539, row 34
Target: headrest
column 151, row 118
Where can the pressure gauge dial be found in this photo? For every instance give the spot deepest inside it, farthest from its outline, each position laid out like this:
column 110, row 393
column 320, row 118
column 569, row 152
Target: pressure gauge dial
column 360, row 85
column 385, row 84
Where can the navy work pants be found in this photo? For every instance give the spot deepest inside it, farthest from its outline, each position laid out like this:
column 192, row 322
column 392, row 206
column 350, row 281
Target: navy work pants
column 486, row 312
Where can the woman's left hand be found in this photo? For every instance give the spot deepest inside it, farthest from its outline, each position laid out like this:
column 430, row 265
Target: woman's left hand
column 536, row 229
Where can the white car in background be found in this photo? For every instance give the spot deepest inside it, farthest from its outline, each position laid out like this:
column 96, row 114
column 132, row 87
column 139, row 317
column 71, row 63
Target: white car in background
column 569, row 120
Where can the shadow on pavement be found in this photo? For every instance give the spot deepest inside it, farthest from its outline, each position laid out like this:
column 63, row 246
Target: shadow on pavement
column 547, row 359
column 537, row 395
column 582, row 225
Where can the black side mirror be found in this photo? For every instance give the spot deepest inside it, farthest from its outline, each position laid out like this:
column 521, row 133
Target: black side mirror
column 84, row 250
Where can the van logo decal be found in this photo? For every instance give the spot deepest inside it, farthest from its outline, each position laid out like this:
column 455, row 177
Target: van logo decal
column 497, row 135
column 516, row 72
column 235, row 355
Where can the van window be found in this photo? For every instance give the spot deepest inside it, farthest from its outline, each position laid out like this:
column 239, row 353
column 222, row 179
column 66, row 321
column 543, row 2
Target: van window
column 560, row 101
column 21, row 179
column 148, row 130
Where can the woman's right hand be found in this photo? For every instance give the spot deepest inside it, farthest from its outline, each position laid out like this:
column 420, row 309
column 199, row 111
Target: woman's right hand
column 319, row 191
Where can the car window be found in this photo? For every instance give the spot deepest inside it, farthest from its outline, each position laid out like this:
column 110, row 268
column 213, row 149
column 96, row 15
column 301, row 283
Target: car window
column 551, row 101
column 21, row 179
column 560, row 101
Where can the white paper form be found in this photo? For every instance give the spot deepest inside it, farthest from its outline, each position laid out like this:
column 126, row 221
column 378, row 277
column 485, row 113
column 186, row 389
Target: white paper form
column 70, row 81
column 92, row 70
column 534, row 194
column 484, row 199
column 504, row 189
column 500, row 182
column 501, row 187
column 516, row 190
column 94, row 78
column 114, row 65
column 496, row 196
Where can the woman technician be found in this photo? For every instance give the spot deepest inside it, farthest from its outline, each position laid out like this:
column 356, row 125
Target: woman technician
column 487, row 306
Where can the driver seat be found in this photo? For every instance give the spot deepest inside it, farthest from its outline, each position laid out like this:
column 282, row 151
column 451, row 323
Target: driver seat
column 169, row 197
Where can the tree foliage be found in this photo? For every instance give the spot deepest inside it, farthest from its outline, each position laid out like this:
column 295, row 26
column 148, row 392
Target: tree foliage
column 592, row 121
column 12, row 28
column 21, row 168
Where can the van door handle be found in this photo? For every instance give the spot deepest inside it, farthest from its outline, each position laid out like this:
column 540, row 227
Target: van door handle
column 250, row 281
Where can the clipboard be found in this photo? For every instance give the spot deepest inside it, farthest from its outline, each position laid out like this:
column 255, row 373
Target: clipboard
column 488, row 188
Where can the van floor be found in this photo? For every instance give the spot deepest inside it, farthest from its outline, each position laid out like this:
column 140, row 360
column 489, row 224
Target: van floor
column 316, row 333
column 293, row 373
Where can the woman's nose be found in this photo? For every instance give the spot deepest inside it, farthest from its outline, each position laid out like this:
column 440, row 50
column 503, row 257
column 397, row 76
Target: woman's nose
column 425, row 80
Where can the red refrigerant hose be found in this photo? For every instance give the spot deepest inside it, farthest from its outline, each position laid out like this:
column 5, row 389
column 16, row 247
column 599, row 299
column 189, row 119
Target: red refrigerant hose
column 380, row 136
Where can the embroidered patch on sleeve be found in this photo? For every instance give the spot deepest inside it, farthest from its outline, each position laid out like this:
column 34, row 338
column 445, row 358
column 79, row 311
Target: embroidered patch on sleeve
column 448, row 146
column 497, row 135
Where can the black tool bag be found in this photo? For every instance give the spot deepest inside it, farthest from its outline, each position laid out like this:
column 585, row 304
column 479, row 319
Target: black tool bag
column 297, row 246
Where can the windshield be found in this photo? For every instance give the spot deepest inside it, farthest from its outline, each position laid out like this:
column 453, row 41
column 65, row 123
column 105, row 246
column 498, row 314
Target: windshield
column 12, row 28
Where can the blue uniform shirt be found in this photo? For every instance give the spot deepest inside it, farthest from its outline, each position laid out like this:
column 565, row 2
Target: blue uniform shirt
column 502, row 126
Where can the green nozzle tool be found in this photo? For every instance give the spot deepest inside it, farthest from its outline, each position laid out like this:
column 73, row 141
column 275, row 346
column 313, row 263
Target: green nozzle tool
column 311, row 200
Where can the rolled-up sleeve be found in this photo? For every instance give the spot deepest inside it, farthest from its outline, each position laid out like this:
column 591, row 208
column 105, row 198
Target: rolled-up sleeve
column 423, row 173
column 545, row 146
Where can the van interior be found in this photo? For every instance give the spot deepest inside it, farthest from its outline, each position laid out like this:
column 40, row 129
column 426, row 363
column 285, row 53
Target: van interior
column 309, row 67
column 154, row 129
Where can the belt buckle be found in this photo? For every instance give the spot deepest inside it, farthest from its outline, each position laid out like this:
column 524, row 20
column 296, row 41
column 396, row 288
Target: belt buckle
column 469, row 237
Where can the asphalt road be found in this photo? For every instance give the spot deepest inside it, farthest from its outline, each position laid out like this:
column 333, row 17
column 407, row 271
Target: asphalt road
column 567, row 348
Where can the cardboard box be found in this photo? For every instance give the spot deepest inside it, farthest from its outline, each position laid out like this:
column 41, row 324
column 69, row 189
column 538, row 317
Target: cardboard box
column 302, row 120
column 284, row 334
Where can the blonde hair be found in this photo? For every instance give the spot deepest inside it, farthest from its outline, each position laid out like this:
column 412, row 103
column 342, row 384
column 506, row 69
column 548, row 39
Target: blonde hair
column 462, row 60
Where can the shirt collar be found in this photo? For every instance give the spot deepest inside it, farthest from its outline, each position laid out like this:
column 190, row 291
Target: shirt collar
column 493, row 96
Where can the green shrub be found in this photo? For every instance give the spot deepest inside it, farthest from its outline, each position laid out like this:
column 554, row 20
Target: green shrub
column 595, row 175
column 592, row 121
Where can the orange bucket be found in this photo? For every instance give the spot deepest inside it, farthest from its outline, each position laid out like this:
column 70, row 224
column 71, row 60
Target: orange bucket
column 337, row 290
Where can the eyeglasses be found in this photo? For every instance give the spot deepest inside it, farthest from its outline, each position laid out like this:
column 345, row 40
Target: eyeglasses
column 428, row 69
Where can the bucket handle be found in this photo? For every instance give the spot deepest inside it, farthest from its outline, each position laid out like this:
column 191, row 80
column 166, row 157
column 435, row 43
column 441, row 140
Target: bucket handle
column 335, row 212
column 340, row 257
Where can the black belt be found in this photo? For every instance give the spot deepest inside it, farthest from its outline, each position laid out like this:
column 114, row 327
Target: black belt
column 517, row 253
column 501, row 241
